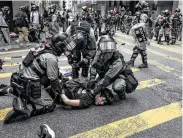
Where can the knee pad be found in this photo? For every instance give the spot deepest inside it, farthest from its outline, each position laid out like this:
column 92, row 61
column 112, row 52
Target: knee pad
column 119, row 85
column 144, row 53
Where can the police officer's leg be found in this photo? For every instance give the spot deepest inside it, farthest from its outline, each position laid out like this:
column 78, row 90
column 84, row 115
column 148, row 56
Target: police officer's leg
column 99, row 25
column 160, row 35
column 134, row 56
column 119, row 87
column 174, row 36
column 75, row 69
column 144, row 59
column 42, row 105
column 167, row 35
column 85, row 70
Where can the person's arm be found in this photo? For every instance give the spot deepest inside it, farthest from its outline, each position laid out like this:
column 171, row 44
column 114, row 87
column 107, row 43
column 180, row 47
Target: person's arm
column 114, row 70
column 67, row 101
column 85, row 100
column 53, row 74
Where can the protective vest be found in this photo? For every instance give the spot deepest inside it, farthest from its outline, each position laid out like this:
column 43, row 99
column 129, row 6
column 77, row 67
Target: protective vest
column 34, row 55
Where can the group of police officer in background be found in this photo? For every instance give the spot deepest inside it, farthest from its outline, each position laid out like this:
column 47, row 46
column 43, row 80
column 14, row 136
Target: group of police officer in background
column 38, row 84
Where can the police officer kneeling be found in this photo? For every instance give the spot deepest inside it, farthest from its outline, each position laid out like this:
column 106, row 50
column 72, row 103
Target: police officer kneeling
column 111, row 69
column 39, row 69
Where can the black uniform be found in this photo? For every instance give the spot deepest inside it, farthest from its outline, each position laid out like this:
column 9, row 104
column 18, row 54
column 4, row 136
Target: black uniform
column 87, row 51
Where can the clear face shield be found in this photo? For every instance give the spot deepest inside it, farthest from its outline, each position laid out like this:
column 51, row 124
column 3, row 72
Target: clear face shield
column 107, row 46
column 69, row 44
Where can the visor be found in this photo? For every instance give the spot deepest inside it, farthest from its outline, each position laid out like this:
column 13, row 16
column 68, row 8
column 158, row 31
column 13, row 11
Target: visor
column 70, row 43
column 107, row 46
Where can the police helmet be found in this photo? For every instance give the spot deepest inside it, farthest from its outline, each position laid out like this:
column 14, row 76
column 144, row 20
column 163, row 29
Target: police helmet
column 177, row 10
column 167, row 13
column 85, row 8
column 6, row 8
column 123, row 9
column 107, row 44
column 61, row 41
column 33, row 7
column 79, row 40
column 21, row 8
column 137, row 14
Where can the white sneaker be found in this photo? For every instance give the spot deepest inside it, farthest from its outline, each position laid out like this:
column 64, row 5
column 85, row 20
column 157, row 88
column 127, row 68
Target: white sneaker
column 46, row 132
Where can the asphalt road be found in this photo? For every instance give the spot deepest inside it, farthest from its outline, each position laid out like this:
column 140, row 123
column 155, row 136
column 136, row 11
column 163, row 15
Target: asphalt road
column 152, row 111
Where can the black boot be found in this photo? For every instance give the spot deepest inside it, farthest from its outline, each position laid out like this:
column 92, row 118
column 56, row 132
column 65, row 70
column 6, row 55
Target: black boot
column 13, row 116
column 84, row 72
column 167, row 39
column 144, row 65
column 159, row 40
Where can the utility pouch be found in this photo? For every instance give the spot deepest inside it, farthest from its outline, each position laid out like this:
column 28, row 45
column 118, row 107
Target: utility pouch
column 35, row 88
column 131, row 81
column 17, row 85
column 28, row 59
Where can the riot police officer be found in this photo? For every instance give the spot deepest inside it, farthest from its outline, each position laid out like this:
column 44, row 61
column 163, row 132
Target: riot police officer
column 165, row 28
column 175, row 21
column 86, row 49
column 139, row 33
column 39, row 69
column 98, row 21
column 86, row 16
column 109, row 65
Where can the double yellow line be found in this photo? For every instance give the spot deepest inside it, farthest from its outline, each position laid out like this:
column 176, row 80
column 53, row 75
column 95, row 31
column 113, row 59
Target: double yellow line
column 134, row 124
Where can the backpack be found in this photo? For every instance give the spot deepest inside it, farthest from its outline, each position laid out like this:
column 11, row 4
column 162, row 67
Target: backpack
column 131, row 81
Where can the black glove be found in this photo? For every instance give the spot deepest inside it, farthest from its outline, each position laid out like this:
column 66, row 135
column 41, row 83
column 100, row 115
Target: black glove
column 91, row 84
column 97, row 89
column 70, row 60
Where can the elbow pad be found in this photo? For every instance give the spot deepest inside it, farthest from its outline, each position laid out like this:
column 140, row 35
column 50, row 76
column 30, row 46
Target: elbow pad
column 56, row 86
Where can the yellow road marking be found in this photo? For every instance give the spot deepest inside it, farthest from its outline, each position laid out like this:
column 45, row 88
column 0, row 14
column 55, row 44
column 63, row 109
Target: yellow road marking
column 155, row 63
column 149, row 83
column 164, row 55
column 137, row 123
column 161, row 66
column 11, row 64
column 5, row 75
column 168, row 48
column 10, row 58
column 17, row 51
column 159, row 54
column 3, row 113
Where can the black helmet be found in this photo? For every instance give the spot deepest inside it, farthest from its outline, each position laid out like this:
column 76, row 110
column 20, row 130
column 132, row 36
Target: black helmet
column 177, row 10
column 61, row 41
column 79, row 40
column 34, row 7
column 85, row 8
column 167, row 12
column 137, row 14
column 21, row 8
column 107, row 44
